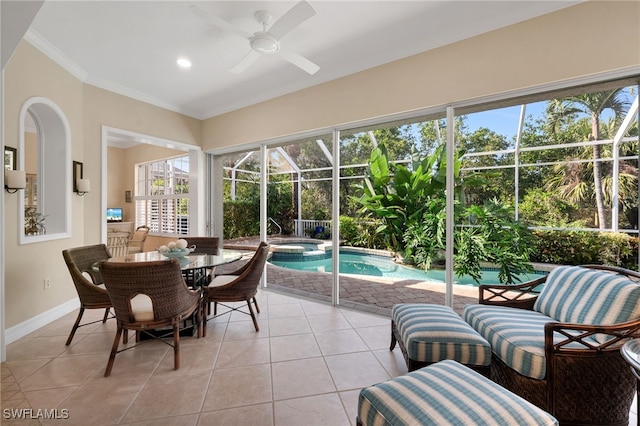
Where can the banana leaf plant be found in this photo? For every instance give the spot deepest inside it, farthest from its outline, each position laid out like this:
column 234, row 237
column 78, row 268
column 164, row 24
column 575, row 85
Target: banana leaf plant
column 400, row 195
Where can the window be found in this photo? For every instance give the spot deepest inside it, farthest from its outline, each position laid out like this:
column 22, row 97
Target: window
column 162, row 196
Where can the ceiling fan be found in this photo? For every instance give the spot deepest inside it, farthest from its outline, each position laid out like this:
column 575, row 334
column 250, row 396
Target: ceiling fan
column 267, row 42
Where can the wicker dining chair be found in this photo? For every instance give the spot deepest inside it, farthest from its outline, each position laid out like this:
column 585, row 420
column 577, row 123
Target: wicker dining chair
column 136, row 243
column 203, row 245
column 150, row 296
column 238, row 286
column 81, row 263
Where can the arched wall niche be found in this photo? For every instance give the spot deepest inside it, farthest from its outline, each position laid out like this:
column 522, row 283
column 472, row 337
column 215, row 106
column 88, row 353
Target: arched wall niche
column 48, row 189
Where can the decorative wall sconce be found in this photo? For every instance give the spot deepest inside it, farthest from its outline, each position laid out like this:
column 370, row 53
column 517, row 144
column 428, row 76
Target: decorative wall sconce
column 14, row 180
column 127, row 196
column 80, row 186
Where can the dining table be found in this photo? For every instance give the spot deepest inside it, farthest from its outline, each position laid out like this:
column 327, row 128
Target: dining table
column 194, row 266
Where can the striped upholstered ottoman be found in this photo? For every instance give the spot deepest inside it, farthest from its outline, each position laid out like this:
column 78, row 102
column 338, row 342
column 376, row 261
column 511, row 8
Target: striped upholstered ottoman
column 430, row 333
column 445, row 393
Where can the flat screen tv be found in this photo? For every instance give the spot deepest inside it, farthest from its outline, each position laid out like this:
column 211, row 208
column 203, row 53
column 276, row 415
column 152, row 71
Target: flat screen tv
column 114, row 214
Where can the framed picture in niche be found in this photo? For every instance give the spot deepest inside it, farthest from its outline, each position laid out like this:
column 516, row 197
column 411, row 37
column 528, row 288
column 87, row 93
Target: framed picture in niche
column 10, row 158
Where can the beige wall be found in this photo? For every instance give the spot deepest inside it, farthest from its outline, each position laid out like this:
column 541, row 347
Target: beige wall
column 583, row 40
column 30, row 73
column 586, row 39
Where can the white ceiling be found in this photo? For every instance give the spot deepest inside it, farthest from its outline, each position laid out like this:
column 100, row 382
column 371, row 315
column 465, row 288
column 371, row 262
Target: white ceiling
column 131, row 47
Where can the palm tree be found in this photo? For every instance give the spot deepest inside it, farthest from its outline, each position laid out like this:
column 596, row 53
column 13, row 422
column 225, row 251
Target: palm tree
column 562, row 111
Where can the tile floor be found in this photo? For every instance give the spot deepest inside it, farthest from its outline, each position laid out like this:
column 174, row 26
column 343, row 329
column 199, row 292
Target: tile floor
column 305, row 366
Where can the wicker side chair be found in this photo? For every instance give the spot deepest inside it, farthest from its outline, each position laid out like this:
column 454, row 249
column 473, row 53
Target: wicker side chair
column 136, row 242
column 238, row 286
column 88, row 281
column 148, row 296
column 204, row 245
column 585, row 384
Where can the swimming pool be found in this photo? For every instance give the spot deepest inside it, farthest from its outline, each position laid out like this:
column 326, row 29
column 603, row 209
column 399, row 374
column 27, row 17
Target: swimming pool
column 380, row 266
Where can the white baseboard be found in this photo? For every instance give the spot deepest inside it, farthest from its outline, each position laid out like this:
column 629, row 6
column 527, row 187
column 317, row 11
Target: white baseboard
column 29, row 326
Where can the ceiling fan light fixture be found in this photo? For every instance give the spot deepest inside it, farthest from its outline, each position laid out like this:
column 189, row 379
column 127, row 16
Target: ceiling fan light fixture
column 264, row 43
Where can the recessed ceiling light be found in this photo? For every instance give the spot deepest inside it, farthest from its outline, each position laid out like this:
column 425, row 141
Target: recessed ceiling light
column 184, row 63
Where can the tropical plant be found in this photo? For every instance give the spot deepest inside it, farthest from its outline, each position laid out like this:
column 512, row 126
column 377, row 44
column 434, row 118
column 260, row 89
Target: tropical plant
column 399, row 195
column 563, row 111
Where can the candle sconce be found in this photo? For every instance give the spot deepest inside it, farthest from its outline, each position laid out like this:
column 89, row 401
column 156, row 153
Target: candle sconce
column 14, row 180
column 80, row 185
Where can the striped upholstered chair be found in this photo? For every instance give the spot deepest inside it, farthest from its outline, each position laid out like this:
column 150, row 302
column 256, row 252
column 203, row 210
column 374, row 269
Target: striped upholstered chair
column 559, row 347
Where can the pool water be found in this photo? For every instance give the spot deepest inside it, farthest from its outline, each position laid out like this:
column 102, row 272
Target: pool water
column 378, row 266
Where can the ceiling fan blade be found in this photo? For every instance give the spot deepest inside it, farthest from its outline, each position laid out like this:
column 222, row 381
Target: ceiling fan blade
column 245, row 62
column 220, row 23
column 294, row 17
column 299, row 61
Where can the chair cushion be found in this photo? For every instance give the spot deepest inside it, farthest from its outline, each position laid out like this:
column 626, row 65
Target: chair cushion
column 142, row 308
column 587, row 296
column 220, row 280
column 446, row 393
column 432, row 333
column 516, row 336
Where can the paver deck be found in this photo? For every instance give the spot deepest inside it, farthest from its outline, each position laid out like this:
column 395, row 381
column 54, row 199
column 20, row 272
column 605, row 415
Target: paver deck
column 371, row 293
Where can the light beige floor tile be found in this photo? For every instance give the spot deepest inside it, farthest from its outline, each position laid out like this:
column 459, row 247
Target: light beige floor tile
column 22, row 369
column 251, row 415
column 139, row 362
column 317, row 308
column 193, row 357
column 100, row 403
column 310, row 411
column 350, row 402
column 186, row 420
column 63, row 371
column 362, row 319
column 356, row 370
column 240, row 386
column 93, row 343
column 237, row 353
column 169, row 395
column 340, row 342
column 288, row 326
column 392, row 361
column 281, row 299
column 328, row 322
column 304, row 377
column 49, row 398
column 287, row 310
column 36, row 347
column 284, row 348
column 377, row 337
column 240, row 330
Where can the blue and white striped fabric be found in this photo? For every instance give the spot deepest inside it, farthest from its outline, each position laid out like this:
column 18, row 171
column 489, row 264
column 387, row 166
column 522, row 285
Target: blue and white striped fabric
column 586, row 296
column 432, row 333
column 516, row 336
column 446, row 393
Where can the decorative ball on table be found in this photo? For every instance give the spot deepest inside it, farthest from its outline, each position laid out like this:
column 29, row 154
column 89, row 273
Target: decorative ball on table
column 175, row 249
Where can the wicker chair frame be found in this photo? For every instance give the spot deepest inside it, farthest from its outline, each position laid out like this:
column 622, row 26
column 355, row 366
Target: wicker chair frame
column 243, row 288
column 172, row 301
column 588, row 385
column 204, row 245
column 81, row 261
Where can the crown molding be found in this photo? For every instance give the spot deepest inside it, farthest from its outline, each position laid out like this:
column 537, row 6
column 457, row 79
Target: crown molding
column 43, row 45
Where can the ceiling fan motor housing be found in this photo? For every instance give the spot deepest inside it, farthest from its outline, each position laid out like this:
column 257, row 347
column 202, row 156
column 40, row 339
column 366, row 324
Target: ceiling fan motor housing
column 263, row 42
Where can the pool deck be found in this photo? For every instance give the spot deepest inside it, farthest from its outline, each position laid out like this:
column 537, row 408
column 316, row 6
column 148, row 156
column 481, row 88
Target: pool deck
column 374, row 293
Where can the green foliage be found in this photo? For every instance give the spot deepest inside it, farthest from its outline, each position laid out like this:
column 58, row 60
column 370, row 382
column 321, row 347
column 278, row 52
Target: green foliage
column 358, row 233
column 493, row 236
column 399, row 196
column 583, row 247
column 425, row 239
column 543, row 208
column 241, row 218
